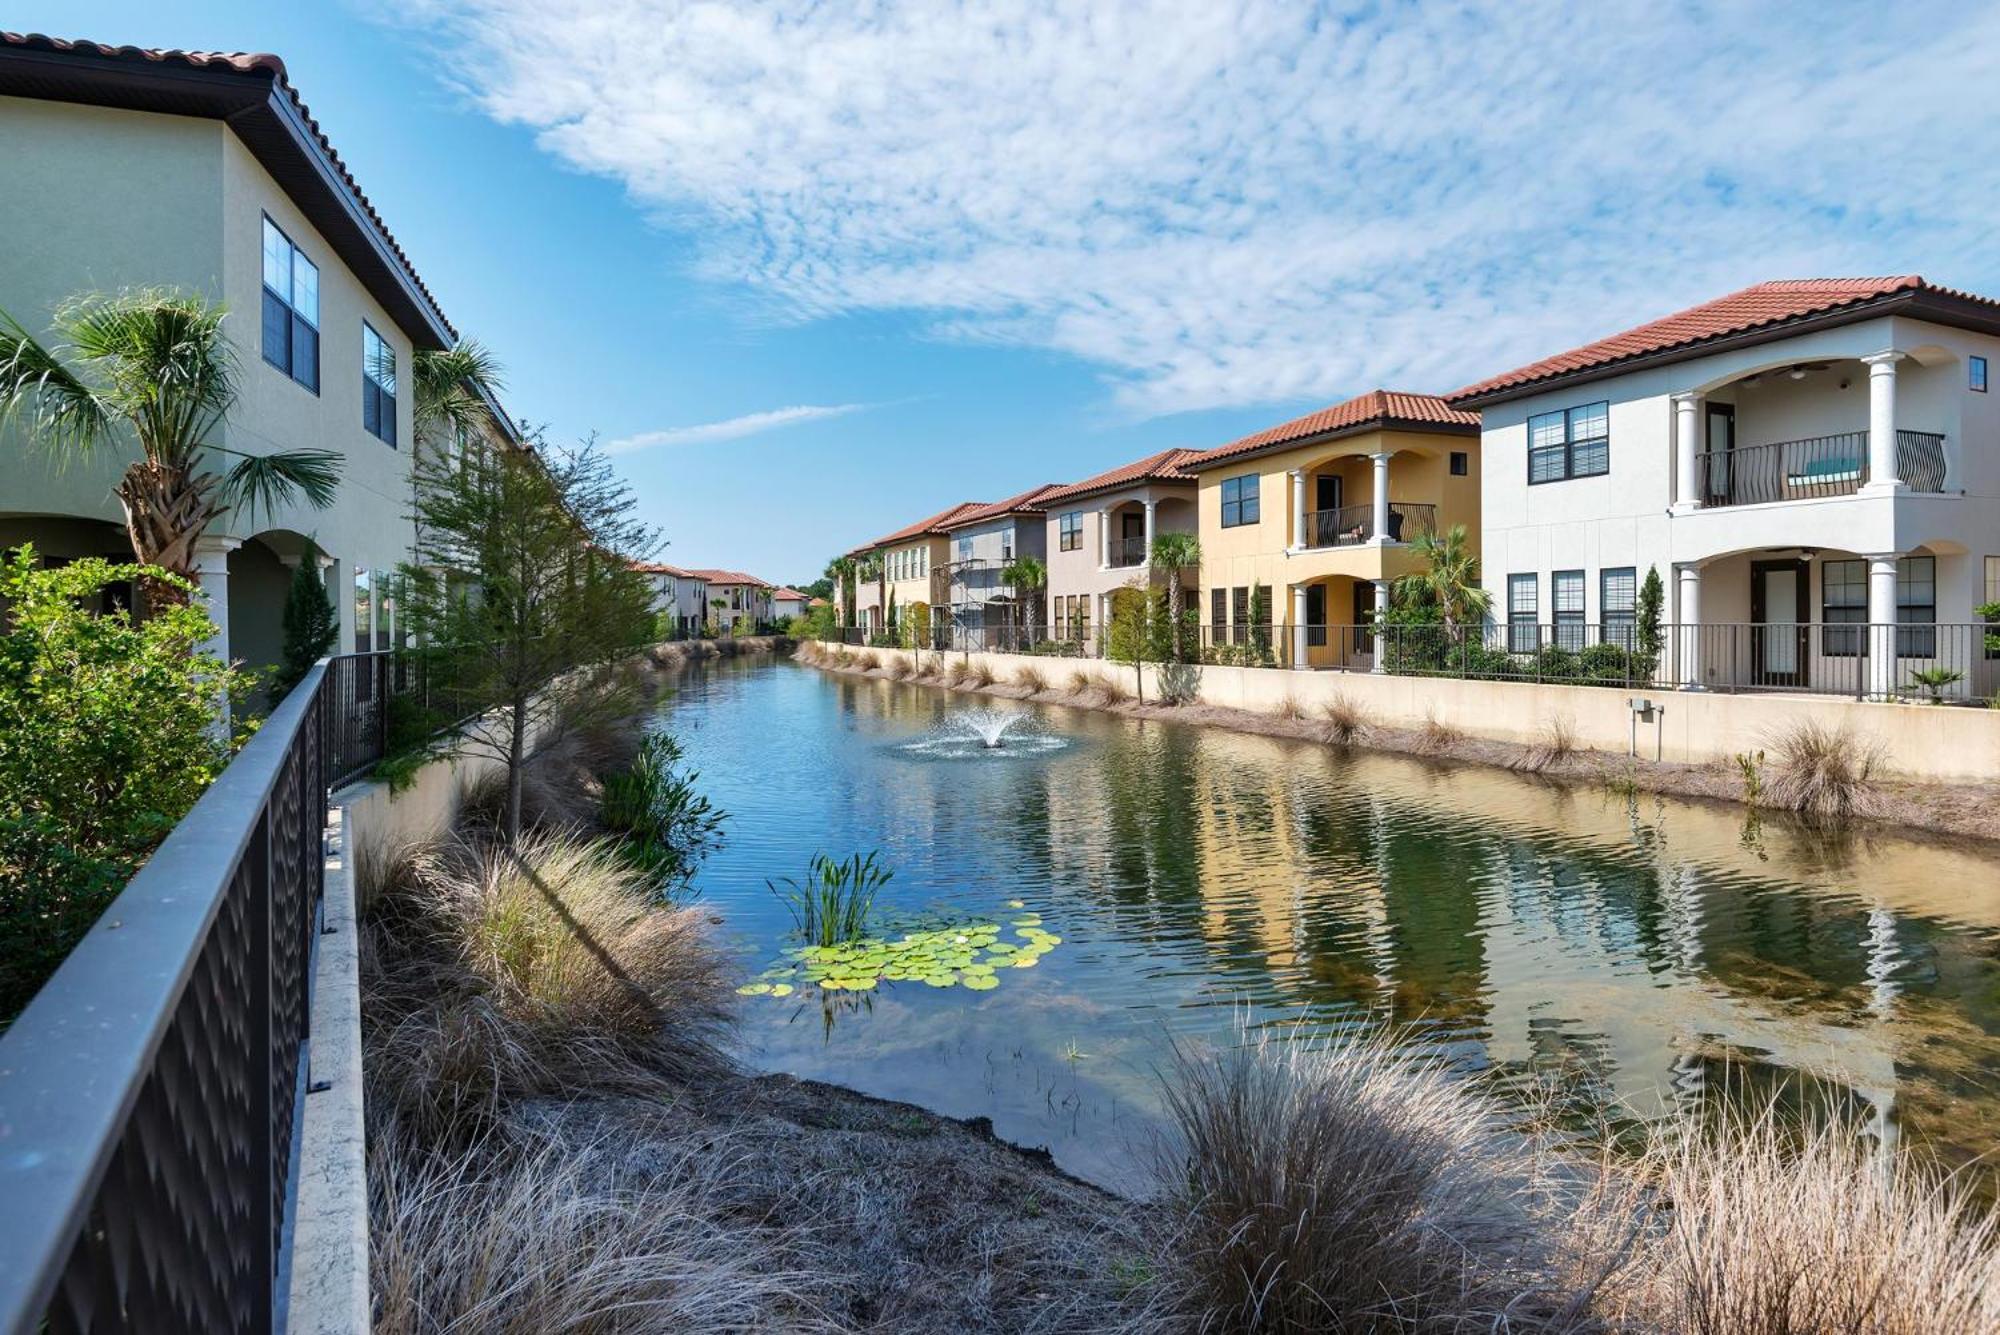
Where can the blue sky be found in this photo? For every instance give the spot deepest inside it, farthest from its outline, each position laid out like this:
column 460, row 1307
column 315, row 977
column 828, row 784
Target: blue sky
column 818, row 270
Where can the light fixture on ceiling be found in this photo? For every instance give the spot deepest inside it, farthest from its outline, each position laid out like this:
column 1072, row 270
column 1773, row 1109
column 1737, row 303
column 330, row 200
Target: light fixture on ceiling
column 1797, row 373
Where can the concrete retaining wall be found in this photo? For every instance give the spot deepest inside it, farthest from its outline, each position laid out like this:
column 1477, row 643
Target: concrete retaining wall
column 1922, row 742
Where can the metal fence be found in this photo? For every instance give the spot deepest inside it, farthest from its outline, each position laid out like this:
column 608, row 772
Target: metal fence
column 151, row 1095
column 1941, row 662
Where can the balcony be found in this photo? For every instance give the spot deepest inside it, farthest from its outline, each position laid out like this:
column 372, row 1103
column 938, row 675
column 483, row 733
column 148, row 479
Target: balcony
column 1125, row 553
column 1815, row 468
column 1352, row 525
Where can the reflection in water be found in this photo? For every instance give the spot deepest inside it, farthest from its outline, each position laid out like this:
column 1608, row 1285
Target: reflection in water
column 1631, row 951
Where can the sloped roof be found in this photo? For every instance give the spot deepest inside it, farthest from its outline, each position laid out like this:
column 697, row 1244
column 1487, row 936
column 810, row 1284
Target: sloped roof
column 1027, row 502
column 727, row 577
column 929, row 524
column 1377, row 410
column 251, row 92
column 660, row 568
column 1768, row 310
column 1164, row 466
column 789, row 592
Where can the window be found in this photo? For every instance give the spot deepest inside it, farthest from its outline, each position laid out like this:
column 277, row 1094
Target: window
column 1239, row 613
column 291, row 309
column 1843, row 602
column 1566, row 592
column 1523, row 627
column 1239, row 501
column 1218, row 613
column 1069, row 531
column 1461, row 463
column 364, row 625
column 1618, row 601
column 1976, row 374
column 1916, row 607
column 1007, row 545
column 378, row 386
column 965, row 548
column 1573, row 443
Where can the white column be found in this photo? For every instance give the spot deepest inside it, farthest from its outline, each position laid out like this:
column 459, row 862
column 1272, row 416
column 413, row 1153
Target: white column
column 1104, row 540
column 1882, row 474
column 1882, row 626
column 1381, row 611
column 1381, row 462
column 1687, row 628
column 1687, row 453
column 211, row 566
column 1298, row 625
column 340, row 588
column 1147, row 560
column 1298, row 485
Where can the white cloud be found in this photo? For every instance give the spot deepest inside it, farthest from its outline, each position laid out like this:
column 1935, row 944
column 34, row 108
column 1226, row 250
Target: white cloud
column 1258, row 200
column 734, row 428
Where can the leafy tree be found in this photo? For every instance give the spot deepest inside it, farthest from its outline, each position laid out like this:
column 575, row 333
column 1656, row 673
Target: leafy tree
column 1027, row 576
column 1652, row 607
column 152, row 368
column 523, row 583
column 1449, row 580
column 1138, row 632
column 106, row 739
column 1176, row 552
column 312, row 624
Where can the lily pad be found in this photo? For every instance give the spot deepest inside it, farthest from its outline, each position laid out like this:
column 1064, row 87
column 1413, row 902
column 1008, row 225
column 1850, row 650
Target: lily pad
column 1028, row 920
column 1025, row 960
column 753, row 989
column 982, row 982
column 781, row 989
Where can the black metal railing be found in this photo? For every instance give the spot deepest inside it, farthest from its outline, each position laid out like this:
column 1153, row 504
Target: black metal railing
column 151, row 1094
column 1126, row 552
column 1352, row 524
column 1815, row 468
column 1930, row 662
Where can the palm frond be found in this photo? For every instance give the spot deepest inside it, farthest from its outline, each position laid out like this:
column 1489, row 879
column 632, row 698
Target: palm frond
column 164, row 360
column 448, row 385
column 268, row 480
column 68, row 415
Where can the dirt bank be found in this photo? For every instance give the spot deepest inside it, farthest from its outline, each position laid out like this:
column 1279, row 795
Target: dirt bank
column 1966, row 811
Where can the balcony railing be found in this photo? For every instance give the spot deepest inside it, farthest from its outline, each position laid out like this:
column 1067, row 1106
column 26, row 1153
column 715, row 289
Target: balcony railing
column 1127, row 552
column 1815, row 468
column 1354, row 524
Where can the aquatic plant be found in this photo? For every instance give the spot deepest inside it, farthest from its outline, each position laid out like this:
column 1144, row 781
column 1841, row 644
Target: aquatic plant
column 668, row 826
column 933, row 950
column 832, row 904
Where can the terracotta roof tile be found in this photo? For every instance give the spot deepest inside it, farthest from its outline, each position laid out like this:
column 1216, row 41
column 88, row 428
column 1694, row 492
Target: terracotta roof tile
column 1028, row 502
column 788, row 592
column 256, row 64
column 1162, row 467
column 930, row 524
column 1377, row 409
column 1764, row 305
column 726, row 577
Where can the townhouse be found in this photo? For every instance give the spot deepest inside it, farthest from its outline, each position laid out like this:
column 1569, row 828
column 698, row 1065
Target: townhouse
column 788, row 602
column 1812, row 466
column 122, row 168
column 977, row 591
column 1099, row 537
column 896, row 570
column 1304, row 526
column 680, row 598
column 738, row 603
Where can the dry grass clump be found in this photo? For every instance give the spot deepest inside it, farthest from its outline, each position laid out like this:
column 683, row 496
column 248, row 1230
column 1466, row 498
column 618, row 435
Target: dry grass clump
column 1031, row 677
column 866, row 662
column 1291, row 707
column 1110, row 690
column 527, row 1242
column 841, row 659
column 957, row 674
column 1080, row 681
column 1823, row 772
column 1348, row 1185
column 1345, row 719
column 1756, row 1225
column 493, row 974
column 1436, row 736
column 980, row 674
column 1554, row 743
column 901, row 668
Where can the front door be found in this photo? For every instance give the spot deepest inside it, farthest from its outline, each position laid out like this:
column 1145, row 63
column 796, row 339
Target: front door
column 1364, row 615
column 1779, row 618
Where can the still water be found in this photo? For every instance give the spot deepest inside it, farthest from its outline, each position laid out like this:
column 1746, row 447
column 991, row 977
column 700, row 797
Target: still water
column 1630, row 953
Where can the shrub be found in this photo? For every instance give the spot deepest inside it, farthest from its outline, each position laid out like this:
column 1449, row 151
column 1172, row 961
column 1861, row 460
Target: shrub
column 1554, row 743
column 1345, row 719
column 668, row 827
column 107, row 737
column 1555, row 663
column 1081, row 681
column 1109, row 689
column 311, row 625
column 833, row 902
column 1823, row 772
column 1613, row 664
column 1436, row 736
column 980, row 675
column 1290, row 707
column 957, row 674
column 1030, row 676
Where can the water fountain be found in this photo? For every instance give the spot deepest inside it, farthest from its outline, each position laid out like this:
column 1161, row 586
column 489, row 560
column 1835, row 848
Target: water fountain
column 991, row 733
column 988, row 725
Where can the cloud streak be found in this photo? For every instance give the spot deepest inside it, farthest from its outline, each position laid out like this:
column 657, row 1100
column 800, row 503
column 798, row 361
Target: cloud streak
column 1224, row 204
column 733, row 428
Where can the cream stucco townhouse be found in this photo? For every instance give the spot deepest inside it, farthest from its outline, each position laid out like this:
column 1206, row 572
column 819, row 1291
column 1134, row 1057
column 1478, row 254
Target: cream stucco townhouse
column 735, row 599
column 680, row 597
column 122, row 168
column 983, row 608
column 896, row 570
column 1812, row 465
column 788, row 602
column 1099, row 537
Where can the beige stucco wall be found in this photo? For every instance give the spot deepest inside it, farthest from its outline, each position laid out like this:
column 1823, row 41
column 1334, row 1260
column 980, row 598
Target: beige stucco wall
column 1081, row 573
column 1917, row 741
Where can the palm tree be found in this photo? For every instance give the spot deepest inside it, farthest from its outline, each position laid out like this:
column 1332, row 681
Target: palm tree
column 1027, row 576
column 1449, row 580
column 842, row 570
column 1175, row 552
column 153, row 365
column 451, row 388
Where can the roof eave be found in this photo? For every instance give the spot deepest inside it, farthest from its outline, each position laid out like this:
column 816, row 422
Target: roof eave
column 1922, row 303
column 267, row 120
column 1143, row 480
column 1373, row 424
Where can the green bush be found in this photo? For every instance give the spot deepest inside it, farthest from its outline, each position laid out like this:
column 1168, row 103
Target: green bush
column 106, row 739
column 311, row 625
